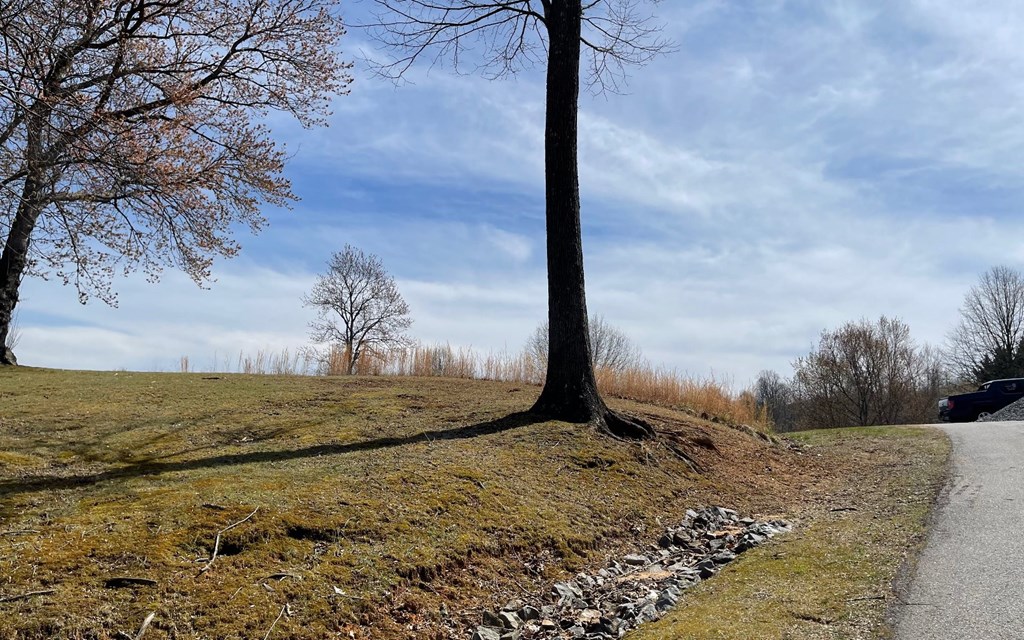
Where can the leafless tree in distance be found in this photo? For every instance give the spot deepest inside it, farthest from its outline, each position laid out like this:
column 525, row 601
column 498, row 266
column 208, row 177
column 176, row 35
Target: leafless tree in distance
column 775, row 395
column 988, row 341
column 865, row 373
column 358, row 306
column 500, row 37
column 131, row 133
column 610, row 347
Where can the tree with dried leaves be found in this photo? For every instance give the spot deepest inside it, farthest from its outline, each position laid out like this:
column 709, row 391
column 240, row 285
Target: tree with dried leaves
column 610, row 347
column 866, row 373
column 358, row 306
column 988, row 342
column 131, row 134
column 501, row 37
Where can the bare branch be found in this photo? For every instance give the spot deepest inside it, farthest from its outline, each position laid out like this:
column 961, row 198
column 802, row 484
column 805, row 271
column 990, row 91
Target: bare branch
column 130, row 133
column 499, row 38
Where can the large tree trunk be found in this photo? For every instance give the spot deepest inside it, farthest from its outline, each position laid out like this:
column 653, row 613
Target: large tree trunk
column 570, row 389
column 14, row 257
column 13, row 261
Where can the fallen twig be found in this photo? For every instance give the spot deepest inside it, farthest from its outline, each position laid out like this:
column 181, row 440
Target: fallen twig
column 216, row 542
column 127, row 581
column 281, row 575
column 145, row 625
column 18, row 532
column 30, row 594
column 275, row 622
column 866, row 598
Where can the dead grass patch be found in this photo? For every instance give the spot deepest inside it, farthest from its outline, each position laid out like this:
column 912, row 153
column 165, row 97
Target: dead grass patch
column 382, row 501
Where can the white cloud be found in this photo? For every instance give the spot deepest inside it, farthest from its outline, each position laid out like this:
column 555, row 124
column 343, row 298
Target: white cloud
column 794, row 166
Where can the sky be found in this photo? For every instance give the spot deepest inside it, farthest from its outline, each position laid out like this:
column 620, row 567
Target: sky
column 789, row 167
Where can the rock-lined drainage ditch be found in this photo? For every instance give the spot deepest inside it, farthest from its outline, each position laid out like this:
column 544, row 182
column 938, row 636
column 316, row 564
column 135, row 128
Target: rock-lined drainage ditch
column 637, row 588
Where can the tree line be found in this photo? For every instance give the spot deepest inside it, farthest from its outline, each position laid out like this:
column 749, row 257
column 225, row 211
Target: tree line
column 874, row 372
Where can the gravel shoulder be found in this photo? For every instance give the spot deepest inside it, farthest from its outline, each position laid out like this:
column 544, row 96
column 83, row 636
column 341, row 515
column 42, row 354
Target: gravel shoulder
column 969, row 582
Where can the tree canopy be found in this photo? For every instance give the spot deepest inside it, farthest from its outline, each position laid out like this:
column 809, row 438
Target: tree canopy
column 358, row 306
column 988, row 341
column 132, row 132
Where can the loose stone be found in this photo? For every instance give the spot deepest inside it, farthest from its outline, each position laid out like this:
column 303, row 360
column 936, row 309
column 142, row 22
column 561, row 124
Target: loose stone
column 638, row 588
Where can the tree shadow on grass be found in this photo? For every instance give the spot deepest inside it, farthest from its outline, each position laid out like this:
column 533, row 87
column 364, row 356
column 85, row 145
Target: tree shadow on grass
column 149, row 468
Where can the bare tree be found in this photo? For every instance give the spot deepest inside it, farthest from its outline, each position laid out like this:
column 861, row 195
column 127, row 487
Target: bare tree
column 865, row 373
column 775, row 395
column 131, row 134
column 988, row 342
column 610, row 348
column 501, row 37
column 358, row 306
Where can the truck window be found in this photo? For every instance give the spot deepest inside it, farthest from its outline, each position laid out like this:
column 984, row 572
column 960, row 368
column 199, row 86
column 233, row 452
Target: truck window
column 1010, row 387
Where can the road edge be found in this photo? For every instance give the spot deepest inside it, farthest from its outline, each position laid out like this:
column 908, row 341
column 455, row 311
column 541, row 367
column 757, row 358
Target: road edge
column 908, row 568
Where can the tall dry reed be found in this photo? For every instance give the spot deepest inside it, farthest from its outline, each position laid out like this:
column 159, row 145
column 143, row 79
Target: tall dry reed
column 640, row 382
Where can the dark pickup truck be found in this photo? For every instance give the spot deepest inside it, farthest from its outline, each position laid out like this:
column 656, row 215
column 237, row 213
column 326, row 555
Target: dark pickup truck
column 989, row 398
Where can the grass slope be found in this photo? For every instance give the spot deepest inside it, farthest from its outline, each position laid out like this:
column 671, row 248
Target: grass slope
column 387, row 508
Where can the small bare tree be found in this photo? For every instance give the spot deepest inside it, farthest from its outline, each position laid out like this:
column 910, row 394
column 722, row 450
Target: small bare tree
column 131, row 133
column 610, row 347
column 865, row 373
column 358, row 307
column 501, row 37
column 774, row 395
column 988, row 342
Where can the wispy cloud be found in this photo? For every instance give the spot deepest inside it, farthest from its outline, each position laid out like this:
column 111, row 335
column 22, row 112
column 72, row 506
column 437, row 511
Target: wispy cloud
column 793, row 166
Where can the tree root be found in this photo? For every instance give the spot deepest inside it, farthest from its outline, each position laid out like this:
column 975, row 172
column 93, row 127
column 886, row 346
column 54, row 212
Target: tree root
column 623, row 427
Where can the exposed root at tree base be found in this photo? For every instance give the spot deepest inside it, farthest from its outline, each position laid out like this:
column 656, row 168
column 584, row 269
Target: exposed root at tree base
column 625, row 427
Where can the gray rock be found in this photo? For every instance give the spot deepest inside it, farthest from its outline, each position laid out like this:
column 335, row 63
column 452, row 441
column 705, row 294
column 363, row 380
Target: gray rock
column 510, row 619
column 666, row 600
column 649, row 613
column 724, row 557
column 7, row 357
column 487, row 633
column 529, row 613
column 598, row 606
column 568, row 590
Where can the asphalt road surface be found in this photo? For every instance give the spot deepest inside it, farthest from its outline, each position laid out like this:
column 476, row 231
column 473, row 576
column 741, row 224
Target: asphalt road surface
column 969, row 582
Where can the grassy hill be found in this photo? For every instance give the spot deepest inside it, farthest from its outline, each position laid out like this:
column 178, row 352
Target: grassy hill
column 394, row 508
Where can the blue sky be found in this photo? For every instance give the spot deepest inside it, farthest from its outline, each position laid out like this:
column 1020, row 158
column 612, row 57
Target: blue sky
column 793, row 165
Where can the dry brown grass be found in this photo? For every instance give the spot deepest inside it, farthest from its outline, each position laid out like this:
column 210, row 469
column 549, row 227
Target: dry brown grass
column 832, row 578
column 707, row 396
column 384, row 500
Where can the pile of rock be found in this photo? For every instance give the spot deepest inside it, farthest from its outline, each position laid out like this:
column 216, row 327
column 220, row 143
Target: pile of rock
column 1013, row 411
column 637, row 588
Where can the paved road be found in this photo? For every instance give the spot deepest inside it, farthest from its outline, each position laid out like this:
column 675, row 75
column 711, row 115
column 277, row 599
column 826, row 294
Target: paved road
column 969, row 582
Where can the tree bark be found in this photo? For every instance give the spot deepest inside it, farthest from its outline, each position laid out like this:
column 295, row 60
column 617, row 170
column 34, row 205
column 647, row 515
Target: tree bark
column 14, row 258
column 570, row 388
